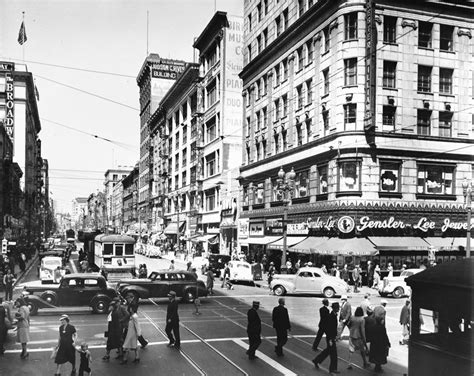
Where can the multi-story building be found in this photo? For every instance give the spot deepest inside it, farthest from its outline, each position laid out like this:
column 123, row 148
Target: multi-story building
column 130, row 219
column 113, row 177
column 78, row 213
column 371, row 103
column 154, row 79
column 19, row 117
column 197, row 129
column 116, row 219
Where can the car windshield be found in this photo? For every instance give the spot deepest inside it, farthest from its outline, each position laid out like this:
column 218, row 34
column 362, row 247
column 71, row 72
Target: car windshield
column 406, row 273
column 52, row 262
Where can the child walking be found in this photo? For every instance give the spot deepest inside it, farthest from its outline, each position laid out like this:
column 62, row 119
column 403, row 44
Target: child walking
column 86, row 359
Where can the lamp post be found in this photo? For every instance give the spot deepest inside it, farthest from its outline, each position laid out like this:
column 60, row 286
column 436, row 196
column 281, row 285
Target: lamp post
column 467, row 192
column 285, row 188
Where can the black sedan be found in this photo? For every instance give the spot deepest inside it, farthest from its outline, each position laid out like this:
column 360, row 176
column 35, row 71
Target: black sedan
column 160, row 283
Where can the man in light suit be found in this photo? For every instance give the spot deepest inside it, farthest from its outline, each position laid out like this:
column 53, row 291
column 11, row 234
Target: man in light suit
column 344, row 316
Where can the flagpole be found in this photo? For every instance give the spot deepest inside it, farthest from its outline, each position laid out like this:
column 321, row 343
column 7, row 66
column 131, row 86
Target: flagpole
column 23, row 44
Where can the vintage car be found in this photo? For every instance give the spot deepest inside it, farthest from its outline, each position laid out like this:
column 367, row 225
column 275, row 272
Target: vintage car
column 217, row 263
column 396, row 286
column 47, row 267
column 160, row 283
column 239, row 271
column 308, row 280
column 76, row 289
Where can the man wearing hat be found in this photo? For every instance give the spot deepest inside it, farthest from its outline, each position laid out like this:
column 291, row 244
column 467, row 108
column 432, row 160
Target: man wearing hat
column 345, row 316
column 172, row 322
column 331, row 349
column 380, row 312
column 405, row 322
column 323, row 315
column 281, row 323
column 271, row 272
column 254, row 329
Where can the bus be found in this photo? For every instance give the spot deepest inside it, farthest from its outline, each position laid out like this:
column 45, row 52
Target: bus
column 115, row 254
column 70, row 236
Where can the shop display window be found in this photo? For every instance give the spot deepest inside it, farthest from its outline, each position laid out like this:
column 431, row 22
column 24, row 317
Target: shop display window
column 349, row 176
column 435, row 179
column 301, row 184
column 323, row 179
column 390, row 176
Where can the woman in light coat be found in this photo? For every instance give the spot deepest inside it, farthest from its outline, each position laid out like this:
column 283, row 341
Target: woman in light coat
column 357, row 340
column 23, row 326
column 134, row 331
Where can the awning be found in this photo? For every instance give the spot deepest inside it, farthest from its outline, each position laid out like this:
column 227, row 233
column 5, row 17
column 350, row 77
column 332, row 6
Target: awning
column 264, row 240
column 308, row 245
column 399, row 243
column 446, row 244
column 290, row 241
column 354, row 246
column 172, row 228
column 204, row 238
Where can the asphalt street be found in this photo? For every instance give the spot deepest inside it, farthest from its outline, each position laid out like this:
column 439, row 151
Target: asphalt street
column 213, row 342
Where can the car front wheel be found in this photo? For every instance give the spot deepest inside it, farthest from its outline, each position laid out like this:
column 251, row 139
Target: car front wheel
column 32, row 307
column 100, row 305
column 189, row 296
column 279, row 290
column 398, row 292
column 49, row 297
column 329, row 292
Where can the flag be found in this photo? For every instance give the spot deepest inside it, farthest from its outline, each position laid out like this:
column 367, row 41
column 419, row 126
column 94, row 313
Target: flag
column 22, row 34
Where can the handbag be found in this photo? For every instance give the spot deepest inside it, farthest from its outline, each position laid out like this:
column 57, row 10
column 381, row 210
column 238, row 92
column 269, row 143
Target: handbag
column 54, row 353
column 142, row 340
column 106, row 334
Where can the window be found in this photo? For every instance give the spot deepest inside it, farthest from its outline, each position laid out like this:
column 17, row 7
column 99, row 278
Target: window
column 257, row 114
column 285, row 19
column 301, row 7
column 425, row 34
column 424, row 79
column 326, row 81
column 350, row 113
column 211, row 130
column 435, row 179
column 259, row 12
column 445, row 81
column 277, row 75
column 309, row 52
column 259, row 44
column 323, row 179
column 390, row 176
column 210, row 199
column 257, row 150
column 265, row 7
column 249, row 52
column 211, row 166
column 264, row 148
column 211, row 94
column 264, row 38
column 309, row 123
column 446, row 38
column 248, row 126
column 325, row 115
column 389, row 29
column 277, row 109
column 327, row 39
column 278, row 26
column 423, row 122
column 249, row 22
column 349, row 176
column 388, row 115
column 309, row 92
column 299, row 134
column 264, row 117
column 247, row 98
column 257, row 90
column 285, row 69
column 299, row 94
column 300, row 58
column 350, row 72
column 350, row 26
column 389, row 74
column 259, row 197
column 284, row 140
column 445, row 123
column 277, row 143
column 263, row 85
column 301, row 184
column 285, row 105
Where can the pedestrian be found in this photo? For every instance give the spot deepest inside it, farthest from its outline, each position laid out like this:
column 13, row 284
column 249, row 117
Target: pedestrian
column 84, row 266
column 85, row 359
column 365, row 304
column 131, row 339
column 254, row 329
column 331, row 349
column 405, row 322
column 297, row 265
column 8, row 281
column 390, row 270
column 376, row 277
column 3, row 326
column 142, row 272
column 171, row 267
column 334, row 269
column 23, row 326
column 22, row 262
column 370, row 274
column 66, row 352
column 380, row 312
column 379, row 345
column 172, row 322
column 210, row 282
column 57, row 274
column 323, row 315
column 194, row 273
column 357, row 340
column 132, row 307
column 404, row 267
column 344, row 317
column 357, row 278
column 271, row 272
column 225, row 275
column 281, row 323
column 103, row 273
column 117, row 321
column 289, row 267
column 189, row 266
column 345, row 274
column 324, row 269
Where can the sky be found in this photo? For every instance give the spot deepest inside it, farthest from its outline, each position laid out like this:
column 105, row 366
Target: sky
column 85, row 56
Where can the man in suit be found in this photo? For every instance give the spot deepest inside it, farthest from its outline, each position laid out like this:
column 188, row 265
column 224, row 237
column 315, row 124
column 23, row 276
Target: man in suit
column 281, row 323
column 172, row 321
column 323, row 315
column 331, row 349
column 345, row 316
column 254, row 329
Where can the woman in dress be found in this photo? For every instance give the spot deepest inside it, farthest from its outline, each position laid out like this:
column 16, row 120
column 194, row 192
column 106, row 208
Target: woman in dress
column 23, row 326
column 357, row 340
column 379, row 345
column 390, row 270
column 210, row 282
column 66, row 351
column 133, row 332
column 117, row 321
column 376, row 277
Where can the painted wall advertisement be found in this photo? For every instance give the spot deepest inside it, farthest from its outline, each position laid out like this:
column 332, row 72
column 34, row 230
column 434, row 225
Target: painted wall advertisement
column 7, row 113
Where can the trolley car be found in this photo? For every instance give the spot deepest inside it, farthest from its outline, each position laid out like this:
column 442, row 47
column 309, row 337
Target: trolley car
column 115, row 254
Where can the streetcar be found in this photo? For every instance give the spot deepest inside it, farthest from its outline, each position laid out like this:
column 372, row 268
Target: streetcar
column 115, row 255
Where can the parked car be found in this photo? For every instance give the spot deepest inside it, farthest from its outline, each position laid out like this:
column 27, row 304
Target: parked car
column 239, row 271
column 76, row 289
column 217, row 262
column 308, row 280
column 396, row 286
column 160, row 283
column 47, row 267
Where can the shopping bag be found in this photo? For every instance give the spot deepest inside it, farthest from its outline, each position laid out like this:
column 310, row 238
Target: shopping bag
column 143, row 341
column 54, row 353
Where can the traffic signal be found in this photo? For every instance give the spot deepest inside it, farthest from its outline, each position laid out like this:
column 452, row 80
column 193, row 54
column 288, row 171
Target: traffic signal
column 4, row 246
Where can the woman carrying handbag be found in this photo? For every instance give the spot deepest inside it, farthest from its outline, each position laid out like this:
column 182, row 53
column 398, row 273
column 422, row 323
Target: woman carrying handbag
column 357, row 340
column 133, row 332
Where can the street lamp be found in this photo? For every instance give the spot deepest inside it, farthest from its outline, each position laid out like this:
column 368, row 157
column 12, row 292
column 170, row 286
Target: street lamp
column 467, row 192
column 285, row 188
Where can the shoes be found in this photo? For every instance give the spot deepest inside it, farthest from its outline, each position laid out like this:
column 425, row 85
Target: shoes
column 334, row 372
column 25, row 356
column 252, row 357
column 106, row 357
column 171, row 344
column 177, row 347
column 136, row 360
column 316, row 364
column 315, row 349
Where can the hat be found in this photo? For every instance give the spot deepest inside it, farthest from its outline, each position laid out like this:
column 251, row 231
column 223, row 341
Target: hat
column 383, row 301
column 335, row 305
column 343, row 297
column 172, row 293
column 64, row 317
column 255, row 303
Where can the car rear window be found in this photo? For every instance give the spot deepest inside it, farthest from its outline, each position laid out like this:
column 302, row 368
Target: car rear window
column 90, row 282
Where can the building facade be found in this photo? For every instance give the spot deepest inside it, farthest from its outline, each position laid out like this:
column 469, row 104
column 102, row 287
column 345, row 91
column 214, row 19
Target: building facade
column 370, row 102
column 130, row 209
column 78, row 213
column 113, row 178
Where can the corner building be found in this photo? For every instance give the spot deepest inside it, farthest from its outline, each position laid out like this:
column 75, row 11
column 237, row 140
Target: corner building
column 371, row 103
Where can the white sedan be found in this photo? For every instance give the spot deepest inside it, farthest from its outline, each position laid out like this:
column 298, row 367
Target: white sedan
column 48, row 265
column 239, row 271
